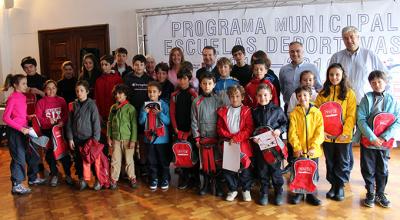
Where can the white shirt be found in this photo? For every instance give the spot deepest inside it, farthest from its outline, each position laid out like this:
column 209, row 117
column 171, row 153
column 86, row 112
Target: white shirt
column 358, row 66
column 233, row 118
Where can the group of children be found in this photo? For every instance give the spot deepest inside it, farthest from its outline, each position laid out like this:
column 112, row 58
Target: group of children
column 148, row 115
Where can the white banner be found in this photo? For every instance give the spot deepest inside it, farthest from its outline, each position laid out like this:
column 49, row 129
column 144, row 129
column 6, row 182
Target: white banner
column 318, row 27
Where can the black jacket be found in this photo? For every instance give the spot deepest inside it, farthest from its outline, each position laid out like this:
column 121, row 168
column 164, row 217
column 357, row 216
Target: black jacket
column 270, row 115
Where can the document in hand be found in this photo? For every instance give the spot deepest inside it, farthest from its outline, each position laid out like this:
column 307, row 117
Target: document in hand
column 231, row 157
column 267, row 141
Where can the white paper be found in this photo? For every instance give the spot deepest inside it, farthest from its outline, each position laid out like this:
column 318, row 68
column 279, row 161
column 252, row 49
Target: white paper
column 231, row 157
column 267, row 140
column 32, row 133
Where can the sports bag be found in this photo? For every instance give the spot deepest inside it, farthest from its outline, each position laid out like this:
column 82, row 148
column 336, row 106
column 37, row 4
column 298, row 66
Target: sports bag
column 60, row 147
column 303, row 176
column 380, row 124
column 183, row 154
column 274, row 154
column 333, row 121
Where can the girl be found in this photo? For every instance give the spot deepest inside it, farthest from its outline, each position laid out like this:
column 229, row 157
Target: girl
column 306, row 134
column 7, row 89
column 15, row 116
column 67, row 83
column 83, row 124
column 52, row 110
column 235, row 124
column 122, row 135
column 336, row 89
column 90, row 70
column 307, row 78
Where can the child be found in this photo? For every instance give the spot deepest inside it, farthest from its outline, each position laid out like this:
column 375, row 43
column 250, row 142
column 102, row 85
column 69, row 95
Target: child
column 374, row 159
column 104, row 86
column 306, row 134
column 121, row 55
column 157, row 147
column 90, row 71
column 162, row 77
column 225, row 81
column 204, row 130
column 83, row 124
column 7, row 89
column 15, row 116
column 67, row 83
column 336, row 89
column 180, row 108
column 241, row 70
column 267, row 114
column 307, row 78
column 271, row 76
column 52, row 110
column 259, row 68
column 122, row 135
column 34, row 79
column 235, row 124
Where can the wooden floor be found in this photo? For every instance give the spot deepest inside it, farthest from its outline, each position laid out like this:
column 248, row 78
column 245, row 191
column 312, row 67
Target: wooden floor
column 63, row 202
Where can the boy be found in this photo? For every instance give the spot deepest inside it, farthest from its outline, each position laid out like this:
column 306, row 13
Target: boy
column 260, row 69
column 35, row 80
column 241, row 70
column 156, row 137
column 122, row 135
column 180, row 107
column 162, row 77
column 121, row 56
column 225, row 81
column 204, row 130
column 306, row 117
column 267, row 114
column 374, row 157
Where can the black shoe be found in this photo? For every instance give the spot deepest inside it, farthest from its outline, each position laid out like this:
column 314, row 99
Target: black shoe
column 297, row 198
column 286, row 169
column 183, row 182
column 369, row 200
column 206, row 187
column 219, row 192
column 381, row 200
column 331, row 193
column 263, row 199
column 313, row 200
column 279, row 197
column 339, row 194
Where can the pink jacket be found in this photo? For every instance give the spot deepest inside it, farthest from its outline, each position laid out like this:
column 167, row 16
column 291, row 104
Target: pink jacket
column 51, row 108
column 15, row 114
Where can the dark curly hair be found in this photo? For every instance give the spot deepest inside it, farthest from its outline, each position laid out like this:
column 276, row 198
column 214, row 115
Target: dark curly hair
column 344, row 83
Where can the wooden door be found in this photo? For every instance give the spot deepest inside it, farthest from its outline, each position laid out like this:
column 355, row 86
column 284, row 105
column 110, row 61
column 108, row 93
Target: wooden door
column 57, row 46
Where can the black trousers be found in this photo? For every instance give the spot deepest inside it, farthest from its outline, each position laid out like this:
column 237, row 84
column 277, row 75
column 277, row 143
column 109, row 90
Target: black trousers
column 240, row 179
column 268, row 172
column 374, row 169
column 158, row 160
column 51, row 160
column 337, row 161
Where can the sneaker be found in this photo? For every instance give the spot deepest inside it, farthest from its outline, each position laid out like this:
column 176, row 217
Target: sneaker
column 279, row 197
column 97, row 186
column 297, row 198
column 263, row 199
column 37, row 181
column 113, row 184
column 313, row 200
column 231, row 196
column 153, row 184
column 68, row 180
column 246, row 196
column 381, row 200
column 133, row 183
column 369, row 200
column 20, row 190
column 82, row 184
column 339, row 194
column 164, row 184
column 54, row 181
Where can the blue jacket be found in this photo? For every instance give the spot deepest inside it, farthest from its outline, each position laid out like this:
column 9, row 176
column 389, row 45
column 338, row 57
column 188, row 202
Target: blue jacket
column 163, row 116
column 364, row 112
column 221, row 88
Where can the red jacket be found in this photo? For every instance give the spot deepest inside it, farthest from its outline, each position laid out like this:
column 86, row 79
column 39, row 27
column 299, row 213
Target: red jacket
column 92, row 153
column 103, row 92
column 246, row 128
column 251, row 92
column 51, row 108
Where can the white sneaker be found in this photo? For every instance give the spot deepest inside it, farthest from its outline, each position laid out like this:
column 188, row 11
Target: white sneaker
column 246, row 196
column 231, row 196
column 54, row 181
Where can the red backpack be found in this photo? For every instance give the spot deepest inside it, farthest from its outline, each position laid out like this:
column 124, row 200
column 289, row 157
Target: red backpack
column 183, row 154
column 303, row 177
column 153, row 127
column 274, row 154
column 60, row 145
column 333, row 121
column 380, row 124
column 31, row 103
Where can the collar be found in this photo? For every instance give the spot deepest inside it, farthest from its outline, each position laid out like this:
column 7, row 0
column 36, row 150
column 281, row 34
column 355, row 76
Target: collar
column 122, row 104
column 298, row 65
column 378, row 93
column 349, row 53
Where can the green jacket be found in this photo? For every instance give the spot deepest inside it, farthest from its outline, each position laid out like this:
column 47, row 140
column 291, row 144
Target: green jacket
column 122, row 123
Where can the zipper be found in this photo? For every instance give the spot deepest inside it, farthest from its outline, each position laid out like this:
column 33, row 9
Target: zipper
column 305, row 122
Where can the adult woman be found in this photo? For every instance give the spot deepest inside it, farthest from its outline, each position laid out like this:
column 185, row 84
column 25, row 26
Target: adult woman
column 90, row 71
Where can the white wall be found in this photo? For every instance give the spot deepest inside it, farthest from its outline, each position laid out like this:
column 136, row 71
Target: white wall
column 19, row 26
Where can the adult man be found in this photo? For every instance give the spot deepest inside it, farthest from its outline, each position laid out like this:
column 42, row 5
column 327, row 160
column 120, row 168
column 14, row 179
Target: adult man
column 358, row 62
column 241, row 70
column 209, row 62
column 151, row 67
column 289, row 80
column 35, row 80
